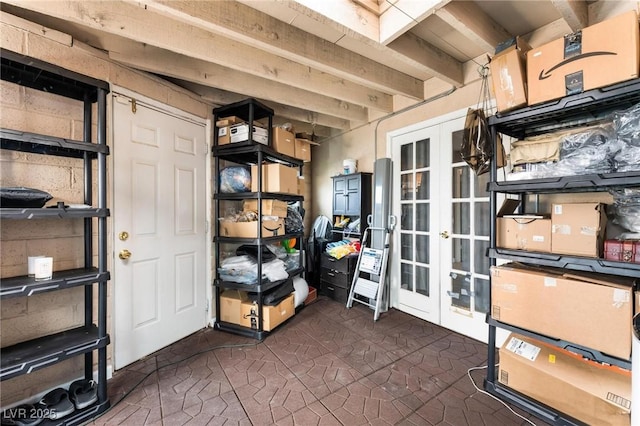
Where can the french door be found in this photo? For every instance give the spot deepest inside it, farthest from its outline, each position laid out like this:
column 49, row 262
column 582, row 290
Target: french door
column 440, row 269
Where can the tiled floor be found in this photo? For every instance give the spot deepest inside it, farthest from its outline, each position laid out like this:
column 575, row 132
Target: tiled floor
column 326, row 366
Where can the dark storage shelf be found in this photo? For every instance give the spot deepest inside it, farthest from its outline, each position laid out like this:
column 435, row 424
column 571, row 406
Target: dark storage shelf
column 28, row 286
column 571, row 111
column 265, row 286
column 254, row 196
column 579, row 183
column 248, row 154
column 579, row 349
column 26, row 357
column 240, row 330
column 243, row 108
column 41, row 144
column 52, row 213
column 575, row 263
column 263, row 240
column 523, row 402
column 40, row 75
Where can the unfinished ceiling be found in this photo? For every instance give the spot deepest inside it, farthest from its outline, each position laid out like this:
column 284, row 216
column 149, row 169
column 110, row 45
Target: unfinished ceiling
column 330, row 64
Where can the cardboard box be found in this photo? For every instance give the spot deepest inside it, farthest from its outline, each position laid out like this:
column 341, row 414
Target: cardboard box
column 593, row 393
column 597, row 56
column 269, row 207
column 578, row 229
column 240, row 133
column 270, row 228
column 522, row 232
column 284, row 142
column 302, row 185
column 509, row 75
column 272, row 316
column 313, row 295
column 591, row 310
column 228, row 121
column 275, row 178
column 303, row 150
column 230, row 305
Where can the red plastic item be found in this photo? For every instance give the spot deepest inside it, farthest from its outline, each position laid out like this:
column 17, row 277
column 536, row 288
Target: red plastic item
column 622, row 250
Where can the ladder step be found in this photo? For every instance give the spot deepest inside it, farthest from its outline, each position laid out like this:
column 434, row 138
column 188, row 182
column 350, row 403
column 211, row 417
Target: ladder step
column 366, row 288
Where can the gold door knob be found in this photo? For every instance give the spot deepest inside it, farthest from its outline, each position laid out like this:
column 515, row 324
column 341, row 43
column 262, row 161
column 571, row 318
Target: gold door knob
column 123, row 236
column 124, row 254
column 444, row 234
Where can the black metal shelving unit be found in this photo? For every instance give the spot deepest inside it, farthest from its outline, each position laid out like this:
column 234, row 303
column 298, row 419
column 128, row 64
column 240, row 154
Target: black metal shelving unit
column 572, row 111
column 27, row 357
column 248, row 153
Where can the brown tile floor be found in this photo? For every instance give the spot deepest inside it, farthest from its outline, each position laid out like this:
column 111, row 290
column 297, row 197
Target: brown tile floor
column 326, row 366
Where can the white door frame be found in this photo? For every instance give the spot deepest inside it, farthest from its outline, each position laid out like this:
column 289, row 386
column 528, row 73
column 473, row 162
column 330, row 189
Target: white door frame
column 167, row 109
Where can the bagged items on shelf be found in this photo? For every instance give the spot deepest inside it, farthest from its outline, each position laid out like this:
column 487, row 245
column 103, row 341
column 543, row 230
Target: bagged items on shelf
column 625, row 210
column 275, row 295
column 293, row 223
column 235, row 179
column 627, row 127
column 244, row 269
column 21, row 197
column 342, row 248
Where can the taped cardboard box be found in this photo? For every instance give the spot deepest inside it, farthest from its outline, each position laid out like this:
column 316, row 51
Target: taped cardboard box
column 597, row 56
column 269, row 207
column 509, row 74
column 578, row 229
column 284, row 142
column 272, row 226
column 522, row 231
column 275, row 178
column 272, row 316
column 592, row 310
column 303, row 150
column 240, row 133
column 230, row 305
column 593, row 393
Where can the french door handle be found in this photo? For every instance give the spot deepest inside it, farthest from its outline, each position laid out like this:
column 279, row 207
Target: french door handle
column 444, row 235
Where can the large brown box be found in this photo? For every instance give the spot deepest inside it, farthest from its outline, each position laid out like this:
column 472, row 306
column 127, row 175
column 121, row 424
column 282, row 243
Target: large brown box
column 270, row 228
column 275, row 178
column 230, row 305
column 284, row 142
column 509, row 75
column 578, row 229
column 622, row 250
column 269, row 207
column 272, row 316
column 587, row 309
column 597, row 56
column 303, row 150
column 521, row 231
column 593, row 393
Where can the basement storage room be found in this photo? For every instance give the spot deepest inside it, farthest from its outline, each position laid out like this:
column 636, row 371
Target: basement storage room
column 345, row 212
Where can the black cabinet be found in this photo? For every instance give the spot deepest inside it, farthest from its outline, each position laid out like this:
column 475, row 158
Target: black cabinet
column 27, row 357
column 336, row 276
column 572, row 111
column 250, row 155
column 351, row 199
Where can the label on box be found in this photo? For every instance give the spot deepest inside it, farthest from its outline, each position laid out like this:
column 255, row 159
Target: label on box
column 620, row 297
column 524, row 349
column 550, row 282
column 561, row 229
column 574, row 83
column 222, row 131
column 557, row 209
column 538, row 238
column 588, row 230
column 572, row 44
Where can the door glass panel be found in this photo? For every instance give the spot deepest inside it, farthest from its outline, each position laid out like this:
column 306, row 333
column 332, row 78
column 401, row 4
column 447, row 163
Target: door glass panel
column 407, row 186
column 422, row 185
column 482, row 219
column 480, row 185
column 422, row 280
column 406, row 157
column 406, row 270
column 456, row 145
column 461, row 182
column 422, row 248
column 461, row 291
column 481, row 261
column 422, row 154
column 460, row 255
column 422, row 217
column 481, row 295
column 406, row 221
column 461, row 218
column 406, row 252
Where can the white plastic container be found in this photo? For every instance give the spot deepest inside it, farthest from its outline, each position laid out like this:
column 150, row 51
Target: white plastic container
column 349, row 166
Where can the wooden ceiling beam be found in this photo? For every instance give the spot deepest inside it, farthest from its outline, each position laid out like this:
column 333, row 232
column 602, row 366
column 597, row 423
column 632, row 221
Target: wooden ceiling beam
column 163, row 62
column 467, row 18
column 244, row 24
column 402, row 15
column 574, row 12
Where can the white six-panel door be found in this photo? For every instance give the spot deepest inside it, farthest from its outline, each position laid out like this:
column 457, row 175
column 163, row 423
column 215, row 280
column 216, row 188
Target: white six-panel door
column 159, row 221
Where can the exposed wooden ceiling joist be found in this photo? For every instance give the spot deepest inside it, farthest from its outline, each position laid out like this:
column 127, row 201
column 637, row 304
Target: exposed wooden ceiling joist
column 163, row 62
column 239, row 22
column 574, row 12
column 403, row 15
